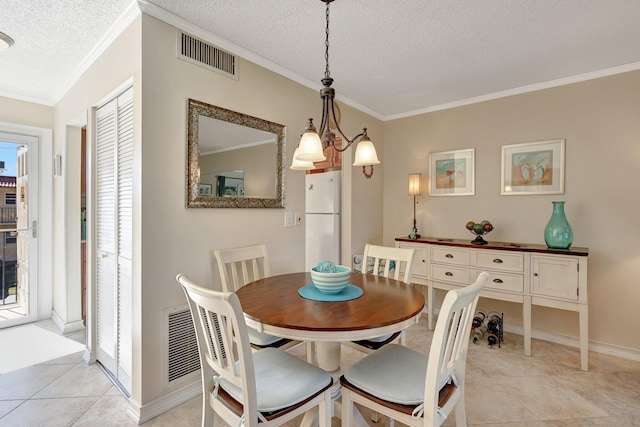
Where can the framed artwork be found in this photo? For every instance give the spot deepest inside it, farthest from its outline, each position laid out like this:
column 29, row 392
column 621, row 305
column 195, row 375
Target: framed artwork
column 205, row 189
column 533, row 168
column 452, row 173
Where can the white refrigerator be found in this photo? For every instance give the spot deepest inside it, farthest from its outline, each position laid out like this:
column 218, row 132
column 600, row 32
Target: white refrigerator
column 322, row 218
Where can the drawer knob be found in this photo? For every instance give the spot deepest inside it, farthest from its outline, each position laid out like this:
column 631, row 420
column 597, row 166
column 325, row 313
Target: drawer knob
column 448, row 273
column 423, row 261
column 535, row 274
column 497, row 261
column 449, row 256
column 497, row 281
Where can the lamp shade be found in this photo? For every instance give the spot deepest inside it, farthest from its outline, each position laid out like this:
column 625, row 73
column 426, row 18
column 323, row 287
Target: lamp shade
column 310, row 148
column 414, row 184
column 365, row 154
column 300, row 165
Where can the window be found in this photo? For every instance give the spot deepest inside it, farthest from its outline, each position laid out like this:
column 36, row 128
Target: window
column 10, row 198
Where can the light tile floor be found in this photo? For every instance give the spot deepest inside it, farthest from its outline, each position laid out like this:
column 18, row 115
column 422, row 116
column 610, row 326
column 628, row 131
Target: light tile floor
column 504, row 388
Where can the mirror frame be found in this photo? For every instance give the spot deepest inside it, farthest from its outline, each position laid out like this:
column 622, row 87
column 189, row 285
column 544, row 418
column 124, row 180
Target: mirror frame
column 194, row 200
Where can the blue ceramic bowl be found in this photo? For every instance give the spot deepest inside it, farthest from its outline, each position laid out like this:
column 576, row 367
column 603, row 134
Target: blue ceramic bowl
column 331, row 283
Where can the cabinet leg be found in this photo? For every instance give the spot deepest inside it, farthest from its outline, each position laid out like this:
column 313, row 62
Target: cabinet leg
column 526, row 321
column 584, row 337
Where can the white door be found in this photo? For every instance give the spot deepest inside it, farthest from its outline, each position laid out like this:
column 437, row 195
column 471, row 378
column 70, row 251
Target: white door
column 114, row 219
column 18, row 227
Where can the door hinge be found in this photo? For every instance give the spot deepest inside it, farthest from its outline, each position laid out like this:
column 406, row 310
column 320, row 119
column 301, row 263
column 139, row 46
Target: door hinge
column 34, row 229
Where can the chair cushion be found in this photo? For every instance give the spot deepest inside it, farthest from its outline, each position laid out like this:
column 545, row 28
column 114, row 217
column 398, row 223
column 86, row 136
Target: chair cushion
column 260, row 338
column 282, row 380
column 394, row 373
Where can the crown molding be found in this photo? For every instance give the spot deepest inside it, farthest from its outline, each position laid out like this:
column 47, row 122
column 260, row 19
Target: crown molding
column 521, row 90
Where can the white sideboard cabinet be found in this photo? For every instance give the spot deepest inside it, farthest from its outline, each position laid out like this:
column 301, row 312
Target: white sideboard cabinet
column 522, row 273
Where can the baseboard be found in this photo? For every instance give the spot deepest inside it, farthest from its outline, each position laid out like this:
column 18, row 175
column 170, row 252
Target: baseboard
column 144, row 413
column 65, row 328
column 596, row 347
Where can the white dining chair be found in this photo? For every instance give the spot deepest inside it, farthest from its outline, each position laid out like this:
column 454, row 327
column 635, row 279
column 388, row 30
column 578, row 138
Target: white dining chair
column 404, row 384
column 389, row 262
column 242, row 265
column 249, row 388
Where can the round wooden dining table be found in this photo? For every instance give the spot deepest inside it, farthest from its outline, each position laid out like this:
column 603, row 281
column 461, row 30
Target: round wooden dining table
column 274, row 306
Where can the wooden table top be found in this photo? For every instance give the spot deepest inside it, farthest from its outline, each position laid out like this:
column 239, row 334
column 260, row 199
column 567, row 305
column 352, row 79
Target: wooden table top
column 275, row 301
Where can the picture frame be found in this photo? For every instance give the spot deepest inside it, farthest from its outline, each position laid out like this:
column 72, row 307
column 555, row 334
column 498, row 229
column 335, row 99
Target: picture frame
column 452, row 173
column 533, row 168
column 205, row 189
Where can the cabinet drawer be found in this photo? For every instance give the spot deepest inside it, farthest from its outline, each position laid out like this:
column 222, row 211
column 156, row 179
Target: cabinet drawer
column 501, row 281
column 497, row 260
column 447, row 273
column 450, row 255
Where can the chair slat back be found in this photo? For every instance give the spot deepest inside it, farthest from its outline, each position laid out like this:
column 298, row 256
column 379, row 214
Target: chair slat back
column 239, row 266
column 223, row 341
column 402, row 257
column 448, row 353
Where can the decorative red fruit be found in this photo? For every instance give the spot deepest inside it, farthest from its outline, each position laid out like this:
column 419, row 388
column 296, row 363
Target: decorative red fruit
column 487, row 227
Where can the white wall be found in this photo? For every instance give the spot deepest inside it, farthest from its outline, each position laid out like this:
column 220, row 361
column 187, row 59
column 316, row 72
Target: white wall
column 600, row 120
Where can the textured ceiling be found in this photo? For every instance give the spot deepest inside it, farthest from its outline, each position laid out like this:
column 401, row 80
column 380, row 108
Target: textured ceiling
column 389, row 58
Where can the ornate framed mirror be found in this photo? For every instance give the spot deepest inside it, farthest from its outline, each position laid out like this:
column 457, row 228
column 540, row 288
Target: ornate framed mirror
column 233, row 160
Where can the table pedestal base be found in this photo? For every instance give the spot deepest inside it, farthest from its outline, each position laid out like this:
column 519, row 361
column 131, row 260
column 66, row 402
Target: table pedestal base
column 328, row 357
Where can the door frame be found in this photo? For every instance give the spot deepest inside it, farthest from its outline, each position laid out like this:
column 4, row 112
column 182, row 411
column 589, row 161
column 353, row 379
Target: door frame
column 41, row 293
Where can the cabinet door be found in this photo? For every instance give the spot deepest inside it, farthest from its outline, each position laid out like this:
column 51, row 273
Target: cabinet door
column 419, row 265
column 554, row 276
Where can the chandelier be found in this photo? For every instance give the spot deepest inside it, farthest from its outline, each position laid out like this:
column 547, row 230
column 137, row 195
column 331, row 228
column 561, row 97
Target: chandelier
column 314, row 142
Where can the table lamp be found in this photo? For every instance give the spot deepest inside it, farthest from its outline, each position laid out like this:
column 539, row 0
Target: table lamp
column 414, row 190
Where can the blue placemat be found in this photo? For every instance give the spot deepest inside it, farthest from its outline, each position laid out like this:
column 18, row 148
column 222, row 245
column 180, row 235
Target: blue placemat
column 348, row 293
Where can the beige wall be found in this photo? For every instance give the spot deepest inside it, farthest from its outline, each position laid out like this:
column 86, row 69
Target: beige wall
column 600, row 120
column 179, row 240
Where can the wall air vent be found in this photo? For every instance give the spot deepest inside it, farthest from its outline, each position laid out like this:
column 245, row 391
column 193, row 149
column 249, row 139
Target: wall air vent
column 199, row 52
column 182, row 346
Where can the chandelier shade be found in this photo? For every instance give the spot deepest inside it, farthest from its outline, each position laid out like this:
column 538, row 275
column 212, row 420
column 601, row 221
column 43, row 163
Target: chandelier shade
column 310, row 147
column 314, row 142
column 300, row 165
column 365, row 153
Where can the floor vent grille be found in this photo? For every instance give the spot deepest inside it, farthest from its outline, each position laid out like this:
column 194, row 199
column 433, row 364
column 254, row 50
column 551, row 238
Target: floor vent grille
column 199, row 52
column 182, row 344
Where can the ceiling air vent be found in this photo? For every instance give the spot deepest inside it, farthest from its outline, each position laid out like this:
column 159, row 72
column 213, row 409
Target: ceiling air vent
column 199, row 52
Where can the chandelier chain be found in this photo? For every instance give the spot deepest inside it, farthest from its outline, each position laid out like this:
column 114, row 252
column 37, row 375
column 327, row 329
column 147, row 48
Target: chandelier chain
column 327, row 74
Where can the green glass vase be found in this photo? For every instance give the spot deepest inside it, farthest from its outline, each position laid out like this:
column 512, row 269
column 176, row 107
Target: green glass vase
column 558, row 233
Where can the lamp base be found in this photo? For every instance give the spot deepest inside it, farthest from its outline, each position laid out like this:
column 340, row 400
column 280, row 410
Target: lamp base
column 414, row 234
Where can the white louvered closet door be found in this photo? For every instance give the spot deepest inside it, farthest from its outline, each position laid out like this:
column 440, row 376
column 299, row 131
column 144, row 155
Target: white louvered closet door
column 114, row 235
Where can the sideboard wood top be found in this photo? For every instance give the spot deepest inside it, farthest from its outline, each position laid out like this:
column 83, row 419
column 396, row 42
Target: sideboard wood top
column 503, row 246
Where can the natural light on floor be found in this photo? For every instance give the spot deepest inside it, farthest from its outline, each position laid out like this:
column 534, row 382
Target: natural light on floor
column 29, row 345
